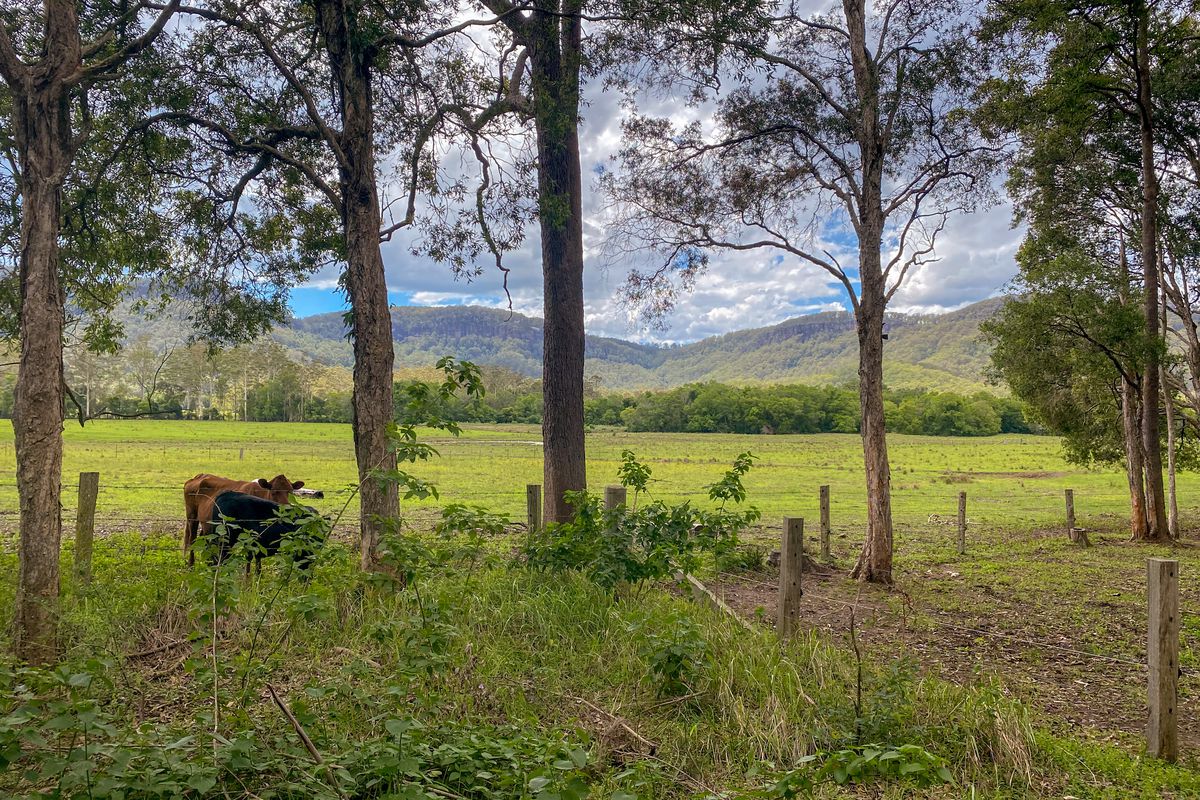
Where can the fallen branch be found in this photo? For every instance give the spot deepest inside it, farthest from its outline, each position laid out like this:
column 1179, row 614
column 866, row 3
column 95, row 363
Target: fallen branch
column 160, row 649
column 702, row 592
column 308, row 743
column 622, row 724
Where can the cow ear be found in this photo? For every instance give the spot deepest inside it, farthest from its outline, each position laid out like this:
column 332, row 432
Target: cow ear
column 264, row 483
column 297, row 485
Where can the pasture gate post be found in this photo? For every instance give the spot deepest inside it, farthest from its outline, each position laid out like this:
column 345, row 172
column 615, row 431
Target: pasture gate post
column 614, row 497
column 533, row 507
column 791, row 566
column 825, row 529
column 962, row 523
column 85, row 524
column 1162, row 657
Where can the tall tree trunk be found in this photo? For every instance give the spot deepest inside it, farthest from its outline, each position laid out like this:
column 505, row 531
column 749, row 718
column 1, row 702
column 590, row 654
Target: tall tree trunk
column 875, row 561
column 1169, row 403
column 366, row 283
column 1156, row 512
column 41, row 114
column 1131, row 424
column 554, row 58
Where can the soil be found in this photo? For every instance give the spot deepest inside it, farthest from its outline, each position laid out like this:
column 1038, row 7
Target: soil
column 1032, row 651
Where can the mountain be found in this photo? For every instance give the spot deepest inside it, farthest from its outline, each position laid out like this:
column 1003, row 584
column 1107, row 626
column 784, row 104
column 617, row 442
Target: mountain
column 940, row 351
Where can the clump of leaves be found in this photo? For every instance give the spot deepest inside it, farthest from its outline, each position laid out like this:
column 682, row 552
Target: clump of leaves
column 676, row 653
column 422, row 407
column 909, row 763
column 464, row 532
column 645, row 542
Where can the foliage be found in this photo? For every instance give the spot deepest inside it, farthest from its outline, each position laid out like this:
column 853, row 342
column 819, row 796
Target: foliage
column 422, row 406
column 614, row 546
column 746, row 558
column 909, row 763
column 54, row 733
column 676, row 653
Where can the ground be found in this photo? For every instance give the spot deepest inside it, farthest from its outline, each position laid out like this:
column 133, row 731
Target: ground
column 1023, row 615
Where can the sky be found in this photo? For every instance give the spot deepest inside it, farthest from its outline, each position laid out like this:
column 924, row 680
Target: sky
column 740, row 290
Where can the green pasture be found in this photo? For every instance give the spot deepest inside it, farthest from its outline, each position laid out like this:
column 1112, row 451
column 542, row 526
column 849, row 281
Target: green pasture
column 1012, row 482
column 1017, row 663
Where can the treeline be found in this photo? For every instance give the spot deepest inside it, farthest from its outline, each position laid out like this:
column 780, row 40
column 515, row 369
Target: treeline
column 267, row 383
column 720, row 408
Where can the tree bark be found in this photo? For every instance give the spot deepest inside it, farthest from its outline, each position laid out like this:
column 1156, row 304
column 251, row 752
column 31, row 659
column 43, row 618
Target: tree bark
column 1134, row 463
column 366, row 282
column 1156, row 512
column 41, row 116
column 1169, row 404
column 554, row 52
column 875, row 560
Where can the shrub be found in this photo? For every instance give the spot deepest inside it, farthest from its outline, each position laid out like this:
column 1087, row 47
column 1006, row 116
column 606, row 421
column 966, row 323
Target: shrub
column 639, row 543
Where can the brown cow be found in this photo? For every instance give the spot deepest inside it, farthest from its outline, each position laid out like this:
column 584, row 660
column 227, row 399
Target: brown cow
column 200, row 492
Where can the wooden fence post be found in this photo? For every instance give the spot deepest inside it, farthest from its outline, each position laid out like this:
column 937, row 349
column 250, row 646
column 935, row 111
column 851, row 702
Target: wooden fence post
column 825, row 528
column 791, row 566
column 1077, row 536
column 85, row 524
column 962, row 523
column 241, row 454
column 1162, row 657
column 533, row 507
column 614, row 496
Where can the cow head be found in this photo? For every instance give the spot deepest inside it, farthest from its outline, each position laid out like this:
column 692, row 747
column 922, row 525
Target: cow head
column 279, row 487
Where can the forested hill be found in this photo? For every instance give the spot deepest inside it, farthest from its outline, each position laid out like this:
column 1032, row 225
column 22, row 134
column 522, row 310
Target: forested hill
column 928, row 351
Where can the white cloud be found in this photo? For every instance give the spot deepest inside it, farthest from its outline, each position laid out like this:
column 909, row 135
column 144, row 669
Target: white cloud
column 740, row 289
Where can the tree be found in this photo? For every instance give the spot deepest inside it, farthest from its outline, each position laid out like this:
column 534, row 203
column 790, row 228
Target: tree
column 549, row 35
column 1072, row 346
column 1080, row 91
column 851, row 121
column 315, row 126
column 50, row 71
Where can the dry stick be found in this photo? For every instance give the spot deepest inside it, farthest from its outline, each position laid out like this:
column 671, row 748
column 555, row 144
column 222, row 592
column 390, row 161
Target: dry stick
column 156, row 650
column 308, row 743
column 616, row 720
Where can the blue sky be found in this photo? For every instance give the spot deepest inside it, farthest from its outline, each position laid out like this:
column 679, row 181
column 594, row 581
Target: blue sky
column 740, row 290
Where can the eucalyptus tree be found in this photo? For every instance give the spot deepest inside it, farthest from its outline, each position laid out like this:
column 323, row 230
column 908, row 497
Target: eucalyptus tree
column 543, row 50
column 844, row 145
column 548, row 37
column 319, row 108
column 56, row 61
column 1105, row 65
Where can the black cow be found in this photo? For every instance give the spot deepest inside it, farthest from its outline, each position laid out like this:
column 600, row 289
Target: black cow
column 235, row 515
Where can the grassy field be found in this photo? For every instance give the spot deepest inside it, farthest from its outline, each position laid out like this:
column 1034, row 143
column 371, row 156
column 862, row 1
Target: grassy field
column 1013, row 482
column 1016, row 663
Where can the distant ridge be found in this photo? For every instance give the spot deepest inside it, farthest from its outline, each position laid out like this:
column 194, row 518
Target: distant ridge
column 941, row 351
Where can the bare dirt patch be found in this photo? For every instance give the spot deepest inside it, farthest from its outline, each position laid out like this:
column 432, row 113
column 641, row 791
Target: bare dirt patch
column 1034, row 651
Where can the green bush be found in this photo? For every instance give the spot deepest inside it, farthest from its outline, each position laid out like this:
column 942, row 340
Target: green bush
column 631, row 545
